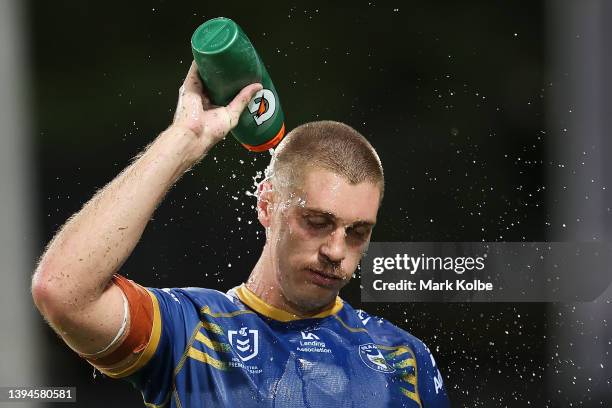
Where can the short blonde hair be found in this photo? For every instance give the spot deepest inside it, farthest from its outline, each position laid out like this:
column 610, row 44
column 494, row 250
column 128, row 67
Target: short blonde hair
column 329, row 145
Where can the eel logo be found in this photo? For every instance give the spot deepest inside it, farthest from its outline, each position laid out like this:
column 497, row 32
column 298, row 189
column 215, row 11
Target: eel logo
column 245, row 341
column 262, row 106
column 373, row 358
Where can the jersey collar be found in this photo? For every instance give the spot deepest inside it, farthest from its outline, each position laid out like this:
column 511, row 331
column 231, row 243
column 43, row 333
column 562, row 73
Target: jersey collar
column 249, row 298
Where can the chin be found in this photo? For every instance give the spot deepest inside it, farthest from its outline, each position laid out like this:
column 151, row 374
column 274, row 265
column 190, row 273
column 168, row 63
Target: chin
column 311, row 297
column 304, row 294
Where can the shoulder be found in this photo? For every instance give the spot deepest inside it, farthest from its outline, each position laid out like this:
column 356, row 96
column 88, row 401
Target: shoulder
column 385, row 333
column 195, row 298
column 388, row 336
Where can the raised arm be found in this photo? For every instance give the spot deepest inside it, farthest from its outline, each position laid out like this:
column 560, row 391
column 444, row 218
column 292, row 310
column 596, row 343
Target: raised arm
column 72, row 283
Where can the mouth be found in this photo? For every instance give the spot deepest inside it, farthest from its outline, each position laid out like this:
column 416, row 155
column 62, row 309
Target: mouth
column 324, row 279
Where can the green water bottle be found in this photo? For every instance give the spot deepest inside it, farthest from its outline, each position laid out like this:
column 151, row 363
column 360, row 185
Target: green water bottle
column 227, row 62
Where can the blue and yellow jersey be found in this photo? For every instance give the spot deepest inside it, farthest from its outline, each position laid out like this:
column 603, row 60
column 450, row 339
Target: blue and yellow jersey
column 210, row 349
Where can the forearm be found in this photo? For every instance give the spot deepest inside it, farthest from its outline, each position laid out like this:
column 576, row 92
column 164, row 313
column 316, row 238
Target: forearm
column 71, row 284
column 81, row 259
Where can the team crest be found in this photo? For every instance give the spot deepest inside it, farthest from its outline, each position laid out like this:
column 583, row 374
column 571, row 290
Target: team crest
column 373, row 358
column 245, row 342
column 262, row 106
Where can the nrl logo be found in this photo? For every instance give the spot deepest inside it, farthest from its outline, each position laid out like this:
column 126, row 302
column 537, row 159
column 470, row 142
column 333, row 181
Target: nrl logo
column 373, row 358
column 262, row 106
column 245, row 341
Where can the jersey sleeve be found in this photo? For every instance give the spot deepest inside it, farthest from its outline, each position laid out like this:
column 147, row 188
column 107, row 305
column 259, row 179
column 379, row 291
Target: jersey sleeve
column 431, row 392
column 154, row 342
column 431, row 385
column 154, row 379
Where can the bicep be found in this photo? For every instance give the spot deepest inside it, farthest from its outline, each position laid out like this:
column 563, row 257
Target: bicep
column 92, row 329
column 127, row 320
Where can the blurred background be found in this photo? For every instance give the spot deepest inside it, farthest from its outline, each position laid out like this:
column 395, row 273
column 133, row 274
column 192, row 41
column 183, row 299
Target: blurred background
column 491, row 118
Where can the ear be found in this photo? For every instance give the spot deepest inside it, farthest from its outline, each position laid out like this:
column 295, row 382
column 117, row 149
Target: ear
column 265, row 203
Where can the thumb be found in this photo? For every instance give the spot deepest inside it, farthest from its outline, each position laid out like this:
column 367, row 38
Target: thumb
column 241, row 101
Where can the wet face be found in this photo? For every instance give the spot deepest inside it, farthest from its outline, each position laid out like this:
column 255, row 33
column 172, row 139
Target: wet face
column 317, row 236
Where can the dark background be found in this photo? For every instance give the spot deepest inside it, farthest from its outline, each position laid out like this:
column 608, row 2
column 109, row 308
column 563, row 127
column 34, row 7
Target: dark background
column 452, row 94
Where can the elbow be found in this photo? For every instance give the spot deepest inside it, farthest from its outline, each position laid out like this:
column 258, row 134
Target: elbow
column 41, row 291
column 45, row 294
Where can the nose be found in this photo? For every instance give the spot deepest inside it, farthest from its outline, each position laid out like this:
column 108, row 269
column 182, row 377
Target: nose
column 334, row 248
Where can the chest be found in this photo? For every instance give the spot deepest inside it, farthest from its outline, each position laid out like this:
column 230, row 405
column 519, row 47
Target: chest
column 239, row 363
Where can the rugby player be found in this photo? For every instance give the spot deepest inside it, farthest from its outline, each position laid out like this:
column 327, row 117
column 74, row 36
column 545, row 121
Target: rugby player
column 284, row 338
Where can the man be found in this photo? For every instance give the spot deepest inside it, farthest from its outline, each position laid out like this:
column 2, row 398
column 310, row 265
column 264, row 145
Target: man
column 282, row 339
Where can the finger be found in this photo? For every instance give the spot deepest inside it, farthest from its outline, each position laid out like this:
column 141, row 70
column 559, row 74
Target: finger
column 192, row 81
column 193, row 84
column 241, row 101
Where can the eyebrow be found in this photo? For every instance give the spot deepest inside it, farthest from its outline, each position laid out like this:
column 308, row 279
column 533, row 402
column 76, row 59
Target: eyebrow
column 318, row 211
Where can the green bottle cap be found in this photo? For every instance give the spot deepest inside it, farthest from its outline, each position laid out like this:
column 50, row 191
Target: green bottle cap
column 214, row 36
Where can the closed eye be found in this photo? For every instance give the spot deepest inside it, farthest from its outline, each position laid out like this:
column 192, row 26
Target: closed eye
column 318, row 222
column 361, row 232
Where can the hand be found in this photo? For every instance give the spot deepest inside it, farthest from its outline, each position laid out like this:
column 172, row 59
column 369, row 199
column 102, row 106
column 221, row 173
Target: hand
column 209, row 123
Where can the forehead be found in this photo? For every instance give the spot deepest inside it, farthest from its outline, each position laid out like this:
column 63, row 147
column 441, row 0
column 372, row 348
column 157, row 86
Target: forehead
column 326, row 191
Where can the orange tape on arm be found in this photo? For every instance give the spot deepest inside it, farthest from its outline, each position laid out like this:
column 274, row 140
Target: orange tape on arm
column 119, row 358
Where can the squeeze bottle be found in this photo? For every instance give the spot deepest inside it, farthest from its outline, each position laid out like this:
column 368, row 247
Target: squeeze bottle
column 227, row 62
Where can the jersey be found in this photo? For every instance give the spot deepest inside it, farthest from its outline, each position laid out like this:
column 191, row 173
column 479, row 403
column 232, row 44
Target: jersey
column 212, row 349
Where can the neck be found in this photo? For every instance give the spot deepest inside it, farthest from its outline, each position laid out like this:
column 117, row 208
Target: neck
column 263, row 283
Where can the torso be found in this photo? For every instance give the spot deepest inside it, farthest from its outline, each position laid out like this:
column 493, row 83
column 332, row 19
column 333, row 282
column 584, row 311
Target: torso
column 239, row 358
